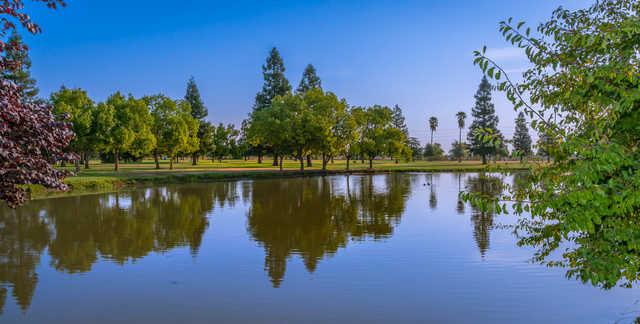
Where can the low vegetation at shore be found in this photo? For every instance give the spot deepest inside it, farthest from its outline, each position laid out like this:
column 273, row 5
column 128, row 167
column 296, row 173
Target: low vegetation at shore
column 100, row 177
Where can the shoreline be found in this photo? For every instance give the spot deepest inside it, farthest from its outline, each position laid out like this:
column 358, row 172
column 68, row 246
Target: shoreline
column 86, row 185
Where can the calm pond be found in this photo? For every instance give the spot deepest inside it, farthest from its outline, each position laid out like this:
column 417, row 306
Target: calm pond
column 384, row 248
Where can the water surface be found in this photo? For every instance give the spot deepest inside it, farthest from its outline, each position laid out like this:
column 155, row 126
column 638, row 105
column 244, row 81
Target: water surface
column 384, row 248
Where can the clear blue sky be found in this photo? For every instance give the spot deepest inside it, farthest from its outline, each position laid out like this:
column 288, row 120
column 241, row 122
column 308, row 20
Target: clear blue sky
column 417, row 54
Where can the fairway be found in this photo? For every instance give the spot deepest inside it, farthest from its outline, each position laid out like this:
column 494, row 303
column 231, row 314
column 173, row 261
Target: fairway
column 147, row 167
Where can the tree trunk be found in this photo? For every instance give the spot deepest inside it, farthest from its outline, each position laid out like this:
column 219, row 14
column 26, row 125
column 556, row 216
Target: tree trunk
column 348, row 163
column 86, row 160
column 371, row 164
column 171, row 164
column 484, row 159
column 194, row 159
column 77, row 164
column 461, row 151
column 332, row 160
column 280, row 162
column 396, row 161
column 156, row 160
column 301, row 158
column 117, row 159
column 324, row 162
column 309, row 162
column 275, row 159
column 259, row 158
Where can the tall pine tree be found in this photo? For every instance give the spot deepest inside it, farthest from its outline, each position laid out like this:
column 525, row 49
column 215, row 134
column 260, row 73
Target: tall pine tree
column 398, row 121
column 275, row 82
column 521, row 138
column 199, row 111
column 20, row 64
column 484, row 136
column 310, row 80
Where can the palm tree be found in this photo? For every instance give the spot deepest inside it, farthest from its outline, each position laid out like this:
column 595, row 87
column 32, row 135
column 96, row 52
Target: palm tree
column 462, row 116
column 433, row 125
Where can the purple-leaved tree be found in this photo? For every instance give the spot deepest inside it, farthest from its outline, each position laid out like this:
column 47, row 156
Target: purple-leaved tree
column 31, row 139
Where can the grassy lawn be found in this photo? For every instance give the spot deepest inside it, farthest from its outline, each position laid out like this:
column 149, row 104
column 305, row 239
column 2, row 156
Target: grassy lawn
column 102, row 178
column 147, row 167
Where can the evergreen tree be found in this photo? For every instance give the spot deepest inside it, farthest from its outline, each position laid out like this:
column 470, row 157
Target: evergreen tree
column 275, row 82
column 310, row 80
column 399, row 121
column 198, row 110
column 484, row 136
column 521, row 138
column 18, row 58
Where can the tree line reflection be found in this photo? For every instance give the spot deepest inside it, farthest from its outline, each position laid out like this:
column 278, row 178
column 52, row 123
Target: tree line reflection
column 308, row 217
column 314, row 217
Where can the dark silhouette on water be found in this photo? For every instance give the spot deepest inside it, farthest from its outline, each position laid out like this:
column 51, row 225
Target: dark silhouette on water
column 314, row 217
column 487, row 186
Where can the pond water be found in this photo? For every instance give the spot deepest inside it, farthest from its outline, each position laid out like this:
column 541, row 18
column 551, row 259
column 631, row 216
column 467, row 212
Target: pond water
column 383, row 248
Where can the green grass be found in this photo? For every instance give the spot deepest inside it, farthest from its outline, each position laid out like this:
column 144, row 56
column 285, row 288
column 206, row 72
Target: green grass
column 102, row 178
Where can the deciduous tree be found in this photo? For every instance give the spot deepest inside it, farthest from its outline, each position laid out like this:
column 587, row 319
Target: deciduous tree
column 31, row 139
column 124, row 125
column 584, row 70
column 76, row 105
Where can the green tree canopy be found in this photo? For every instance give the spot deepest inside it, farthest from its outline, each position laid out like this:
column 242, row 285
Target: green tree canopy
column 379, row 136
column 174, row 127
column 582, row 90
column 80, row 110
column 224, row 140
column 123, row 124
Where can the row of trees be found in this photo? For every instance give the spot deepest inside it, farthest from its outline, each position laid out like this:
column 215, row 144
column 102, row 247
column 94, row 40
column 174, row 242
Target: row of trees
column 311, row 121
column 484, row 139
column 125, row 126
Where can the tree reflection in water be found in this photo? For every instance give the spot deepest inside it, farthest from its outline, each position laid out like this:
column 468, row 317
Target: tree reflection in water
column 314, row 217
column 23, row 237
column 120, row 227
column 433, row 196
column 485, row 185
